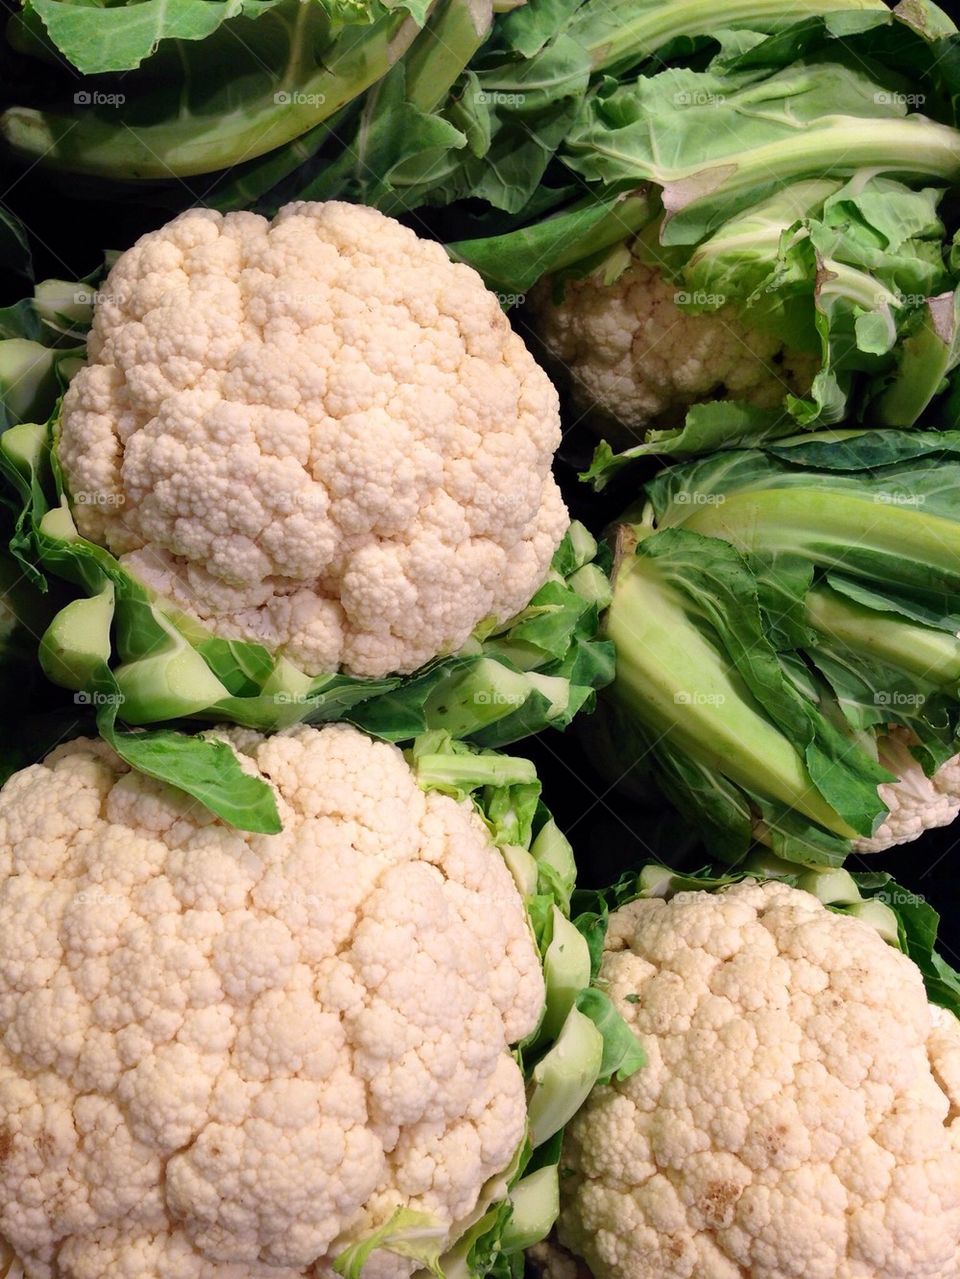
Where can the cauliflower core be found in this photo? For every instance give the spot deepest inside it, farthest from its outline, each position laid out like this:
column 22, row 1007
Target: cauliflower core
column 799, row 1115
column 633, row 359
column 916, row 802
column 223, row 1054
column 317, row 434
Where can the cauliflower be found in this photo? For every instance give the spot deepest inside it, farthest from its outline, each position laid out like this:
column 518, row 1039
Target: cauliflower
column 632, row 358
column 916, row 802
column 316, row 434
column 227, row 1056
column 799, row 1115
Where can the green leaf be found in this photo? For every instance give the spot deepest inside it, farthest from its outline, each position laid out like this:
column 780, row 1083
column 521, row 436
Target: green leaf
column 741, row 697
column 202, row 767
column 515, row 113
column 258, row 75
column 406, row 1233
column 513, row 262
column 401, row 143
column 623, row 1054
column 566, row 970
column 593, row 925
column 534, row 1207
column 920, row 924
column 564, row 1076
column 452, row 767
column 718, row 143
column 118, row 37
column 527, row 28
column 866, row 450
column 925, row 360
column 396, row 148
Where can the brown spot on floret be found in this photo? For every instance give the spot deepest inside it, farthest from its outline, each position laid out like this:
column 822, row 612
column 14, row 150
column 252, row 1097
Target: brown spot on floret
column 6, row 1144
column 774, row 1140
column 716, row 1202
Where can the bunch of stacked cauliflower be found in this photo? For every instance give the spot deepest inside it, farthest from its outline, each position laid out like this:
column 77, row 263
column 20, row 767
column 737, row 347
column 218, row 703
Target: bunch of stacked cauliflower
column 230, row 1055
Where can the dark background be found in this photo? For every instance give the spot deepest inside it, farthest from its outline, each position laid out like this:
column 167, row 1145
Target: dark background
column 70, row 229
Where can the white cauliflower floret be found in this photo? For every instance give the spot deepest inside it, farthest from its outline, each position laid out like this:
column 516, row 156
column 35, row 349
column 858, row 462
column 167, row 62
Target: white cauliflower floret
column 799, row 1113
column 632, row 358
column 548, row 1260
column 916, row 802
column 317, row 434
column 223, row 1054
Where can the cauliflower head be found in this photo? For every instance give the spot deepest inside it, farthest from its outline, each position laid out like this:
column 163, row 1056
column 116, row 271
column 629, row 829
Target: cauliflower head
column 915, row 801
column 225, row 1055
column 632, row 358
column 799, row 1115
column 317, row 434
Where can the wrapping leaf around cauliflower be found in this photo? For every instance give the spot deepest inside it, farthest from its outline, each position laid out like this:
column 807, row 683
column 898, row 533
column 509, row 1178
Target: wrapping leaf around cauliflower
column 786, row 627
column 798, row 1113
column 306, row 474
column 41, row 347
column 349, row 1045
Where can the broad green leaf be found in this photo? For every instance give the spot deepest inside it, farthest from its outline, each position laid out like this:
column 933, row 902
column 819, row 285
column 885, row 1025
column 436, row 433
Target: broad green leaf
column 118, row 37
column 623, row 1053
column 718, row 143
column 265, row 73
